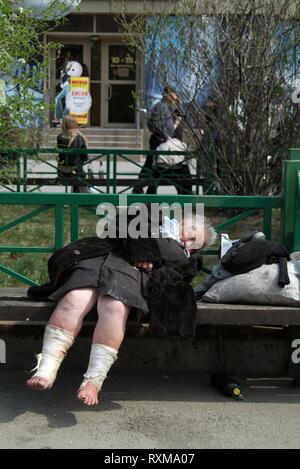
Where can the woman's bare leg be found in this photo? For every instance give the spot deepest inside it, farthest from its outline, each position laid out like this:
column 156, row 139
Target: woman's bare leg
column 68, row 315
column 109, row 331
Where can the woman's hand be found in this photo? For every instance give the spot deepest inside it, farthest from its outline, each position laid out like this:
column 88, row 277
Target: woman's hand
column 144, row 265
column 178, row 121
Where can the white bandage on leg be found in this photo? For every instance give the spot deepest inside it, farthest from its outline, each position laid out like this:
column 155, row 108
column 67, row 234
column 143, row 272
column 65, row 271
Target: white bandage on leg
column 101, row 359
column 55, row 346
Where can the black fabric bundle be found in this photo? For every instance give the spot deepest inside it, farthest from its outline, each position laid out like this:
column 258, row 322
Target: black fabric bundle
column 172, row 301
column 245, row 256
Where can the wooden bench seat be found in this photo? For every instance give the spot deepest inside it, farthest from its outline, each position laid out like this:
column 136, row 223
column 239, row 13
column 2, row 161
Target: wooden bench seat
column 15, row 309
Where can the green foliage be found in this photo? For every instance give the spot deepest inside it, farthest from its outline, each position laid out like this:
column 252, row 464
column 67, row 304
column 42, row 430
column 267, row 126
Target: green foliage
column 21, row 46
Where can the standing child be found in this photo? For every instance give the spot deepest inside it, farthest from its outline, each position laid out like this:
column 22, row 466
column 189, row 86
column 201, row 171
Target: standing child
column 71, row 165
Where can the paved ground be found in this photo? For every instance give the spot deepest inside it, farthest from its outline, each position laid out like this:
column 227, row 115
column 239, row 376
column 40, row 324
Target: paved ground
column 158, row 411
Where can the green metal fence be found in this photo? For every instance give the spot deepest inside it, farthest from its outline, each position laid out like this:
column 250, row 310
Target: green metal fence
column 41, row 203
column 290, row 218
column 111, row 179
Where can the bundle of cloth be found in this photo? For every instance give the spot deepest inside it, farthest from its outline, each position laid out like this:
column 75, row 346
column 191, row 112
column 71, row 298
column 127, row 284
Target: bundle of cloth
column 246, row 254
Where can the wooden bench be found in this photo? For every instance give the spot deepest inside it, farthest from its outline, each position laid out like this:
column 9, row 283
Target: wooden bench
column 16, row 309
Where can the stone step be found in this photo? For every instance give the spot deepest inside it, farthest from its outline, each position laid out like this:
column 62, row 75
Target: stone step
column 103, row 138
column 102, row 132
column 96, row 139
column 105, row 145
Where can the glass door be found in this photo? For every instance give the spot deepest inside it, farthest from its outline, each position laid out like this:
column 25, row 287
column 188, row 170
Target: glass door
column 118, row 85
column 77, row 50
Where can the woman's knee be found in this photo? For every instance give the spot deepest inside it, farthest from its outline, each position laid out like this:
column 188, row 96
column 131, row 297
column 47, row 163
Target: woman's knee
column 72, row 308
column 112, row 308
column 78, row 300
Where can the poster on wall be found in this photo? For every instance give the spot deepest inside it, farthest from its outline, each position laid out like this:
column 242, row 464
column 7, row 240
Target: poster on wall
column 79, row 100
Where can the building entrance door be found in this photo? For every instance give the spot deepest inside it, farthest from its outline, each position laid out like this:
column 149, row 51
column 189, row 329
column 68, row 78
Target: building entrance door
column 111, row 66
column 118, row 85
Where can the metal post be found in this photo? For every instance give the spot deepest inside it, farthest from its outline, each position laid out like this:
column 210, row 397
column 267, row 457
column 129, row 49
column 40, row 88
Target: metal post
column 108, row 174
column 198, row 169
column 25, row 163
column 114, row 173
column 289, row 189
column 295, row 154
column 74, row 222
column 267, row 228
column 18, row 167
column 59, row 226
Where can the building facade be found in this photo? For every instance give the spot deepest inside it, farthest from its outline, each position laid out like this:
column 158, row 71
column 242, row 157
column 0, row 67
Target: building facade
column 120, row 83
column 92, row 36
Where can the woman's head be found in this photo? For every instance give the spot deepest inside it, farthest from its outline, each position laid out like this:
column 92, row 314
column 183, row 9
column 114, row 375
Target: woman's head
column 196, row 231
column 70, row 129
column 69, row 124
column 170, row 94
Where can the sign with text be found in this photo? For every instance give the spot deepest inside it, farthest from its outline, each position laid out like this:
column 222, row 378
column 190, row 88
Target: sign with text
column 79, row 100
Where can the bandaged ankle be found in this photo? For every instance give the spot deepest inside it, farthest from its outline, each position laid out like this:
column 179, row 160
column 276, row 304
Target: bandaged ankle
column 101, row 359
column 55, row 346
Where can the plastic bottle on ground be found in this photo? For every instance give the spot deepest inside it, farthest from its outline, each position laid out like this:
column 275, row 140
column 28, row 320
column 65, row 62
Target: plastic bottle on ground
column 227, row 385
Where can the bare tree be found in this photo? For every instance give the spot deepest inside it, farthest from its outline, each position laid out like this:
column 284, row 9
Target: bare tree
column 234, row 64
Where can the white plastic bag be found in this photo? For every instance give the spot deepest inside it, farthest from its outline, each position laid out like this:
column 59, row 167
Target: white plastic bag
column 259, row 286
column 226, row 243
column 172, row 144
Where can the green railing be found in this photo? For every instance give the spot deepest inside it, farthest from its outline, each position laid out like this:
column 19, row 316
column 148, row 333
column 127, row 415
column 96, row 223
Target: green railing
column 290, row 219
column 108, row 181
column 41, row 203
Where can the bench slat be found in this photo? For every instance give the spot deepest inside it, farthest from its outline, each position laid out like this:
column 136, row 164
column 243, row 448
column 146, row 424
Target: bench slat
column 248, row 315
column 8, row 293
column 18, row 310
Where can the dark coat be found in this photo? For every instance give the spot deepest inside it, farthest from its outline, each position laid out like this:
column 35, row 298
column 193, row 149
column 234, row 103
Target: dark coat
column 59, row 264
column 170, row 296
column 70, row 160
column 161, row 122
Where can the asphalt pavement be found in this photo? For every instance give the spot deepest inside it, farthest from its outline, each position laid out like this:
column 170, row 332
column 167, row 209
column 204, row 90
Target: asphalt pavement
column 179, row 410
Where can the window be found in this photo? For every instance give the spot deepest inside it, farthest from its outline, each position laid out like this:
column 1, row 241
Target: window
column 77, row 23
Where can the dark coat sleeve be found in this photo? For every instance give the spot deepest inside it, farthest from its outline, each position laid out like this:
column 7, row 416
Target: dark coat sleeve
column 79, row 142
column 63, row 259
column 161, row 121
column 141, row 250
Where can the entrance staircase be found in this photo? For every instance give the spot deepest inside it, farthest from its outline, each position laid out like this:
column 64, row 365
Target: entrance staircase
column 131, row 139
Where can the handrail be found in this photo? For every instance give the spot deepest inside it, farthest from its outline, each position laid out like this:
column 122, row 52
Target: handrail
column 60, row 202
column 111, row 174
column 288, row 203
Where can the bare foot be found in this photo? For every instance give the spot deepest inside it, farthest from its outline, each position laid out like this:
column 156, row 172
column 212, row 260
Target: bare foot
column 89, row 394
column 36, row 383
